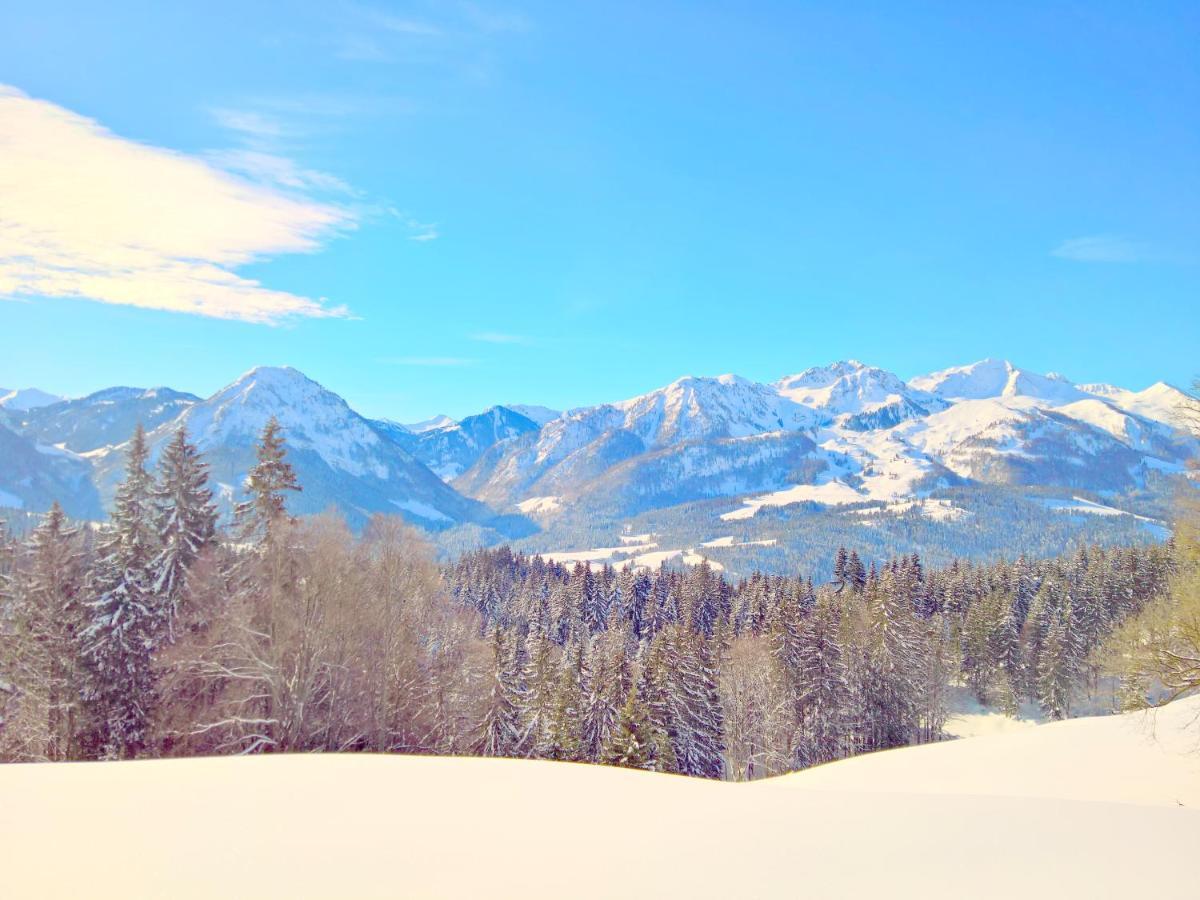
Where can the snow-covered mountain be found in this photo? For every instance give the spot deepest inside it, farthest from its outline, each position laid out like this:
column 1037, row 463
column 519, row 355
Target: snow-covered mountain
column 430, row 424
column 341, row 459
column 992, row 378
column 839, row 434
column 452, row 449
column 706, row 451
column 26, row 399
column 103, row 419
column 858, row 397
column 33, row 475
column 537, row 414
column 584, row 444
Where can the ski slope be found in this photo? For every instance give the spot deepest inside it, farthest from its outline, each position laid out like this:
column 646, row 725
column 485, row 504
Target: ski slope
column 1104, row 807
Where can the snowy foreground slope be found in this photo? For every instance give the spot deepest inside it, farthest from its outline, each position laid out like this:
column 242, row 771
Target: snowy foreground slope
column 1105, row 807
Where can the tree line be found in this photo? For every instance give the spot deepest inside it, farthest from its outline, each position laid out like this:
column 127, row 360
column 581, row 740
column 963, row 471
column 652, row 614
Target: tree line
column 160, row 634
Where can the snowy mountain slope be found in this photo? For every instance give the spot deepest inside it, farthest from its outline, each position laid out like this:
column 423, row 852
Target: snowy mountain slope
column 582, row 444
column 33, row 476
column 454, row 448
column 340, row 458
column 828, row 437
column 438, row 421
column 26, row 399
column 996, row 378
column 539, row 415
column 871, row 437
column 1084, row 808
column 104, row 419
column 1160, row 402
column 858, row 397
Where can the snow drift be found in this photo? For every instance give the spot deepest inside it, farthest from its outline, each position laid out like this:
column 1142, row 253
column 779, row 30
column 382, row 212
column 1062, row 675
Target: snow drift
column 1103, row 807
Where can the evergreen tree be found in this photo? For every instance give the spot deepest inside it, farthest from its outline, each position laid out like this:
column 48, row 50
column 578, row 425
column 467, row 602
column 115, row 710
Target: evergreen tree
column 502, row 727
column 124, row 619
column 45, row 661
column 185, row 520
column 266, row 483
column 631, row 743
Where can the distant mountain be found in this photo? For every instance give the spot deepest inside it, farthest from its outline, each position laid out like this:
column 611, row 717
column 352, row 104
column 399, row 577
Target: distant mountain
column 452, row 449
column 858, row 397
column 992, row 378
column 974, row 449
column 33, row 475
column 427, row 425
column 538, row 414
column 581, row 445
column 839, row 434
column 25, row 399
column 104, row 419
column 341, row 459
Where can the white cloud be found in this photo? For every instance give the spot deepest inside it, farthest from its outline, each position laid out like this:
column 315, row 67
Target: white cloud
column 87, row 214
column 1105, row 249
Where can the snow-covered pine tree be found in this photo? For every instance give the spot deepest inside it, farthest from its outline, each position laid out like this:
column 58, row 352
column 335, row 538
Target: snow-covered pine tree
column 810, row 650
column 123, row 619
column 605, row 686
column 266, row 482
column 540, row 678
column 697, row 723
column 185, row 520
column 565, row 741
column 502, row 728
column 43, row 658
column 631, row 743
column 1056, row 669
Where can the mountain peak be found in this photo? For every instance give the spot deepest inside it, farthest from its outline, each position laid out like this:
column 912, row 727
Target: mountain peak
column 25, row 399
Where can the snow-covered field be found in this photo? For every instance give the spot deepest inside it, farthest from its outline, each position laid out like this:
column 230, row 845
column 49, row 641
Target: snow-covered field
column 1102, row 807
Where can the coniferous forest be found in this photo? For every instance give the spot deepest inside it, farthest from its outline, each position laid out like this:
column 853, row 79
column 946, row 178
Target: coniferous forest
column 159, row 634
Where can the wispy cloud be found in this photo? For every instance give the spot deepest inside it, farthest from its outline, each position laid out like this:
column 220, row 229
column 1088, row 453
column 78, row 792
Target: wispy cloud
column 494, row 337
column 278, row 170
column 429, row 361
column 400, row 24
column 453, row 31
column 87, row 214
column 1106, row 249
column 423, row 232
column 250, row 123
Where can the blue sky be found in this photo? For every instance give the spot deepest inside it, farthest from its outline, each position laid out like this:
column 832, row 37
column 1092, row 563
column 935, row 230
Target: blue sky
column 438, row 206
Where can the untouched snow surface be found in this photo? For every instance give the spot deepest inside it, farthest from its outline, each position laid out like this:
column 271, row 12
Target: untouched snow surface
column 1102, row 807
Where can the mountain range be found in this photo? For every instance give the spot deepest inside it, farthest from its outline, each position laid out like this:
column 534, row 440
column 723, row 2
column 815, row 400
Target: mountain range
column 714, row 452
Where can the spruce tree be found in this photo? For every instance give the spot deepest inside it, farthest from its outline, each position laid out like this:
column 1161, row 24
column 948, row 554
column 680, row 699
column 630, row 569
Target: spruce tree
column 185, row 520
column 46, row 658
column 631, row 743
column 502, row 727
column 266, row 483
column 124, row 620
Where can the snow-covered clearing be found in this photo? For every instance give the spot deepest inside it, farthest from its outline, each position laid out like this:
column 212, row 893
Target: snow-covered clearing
column 731, row 541
column 1104, row 807
column 540, row 505
column 422, row 509
column 832, row 493
column 636, row 538
column 1078, row 505
column 938, row 510
column 639, row 555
